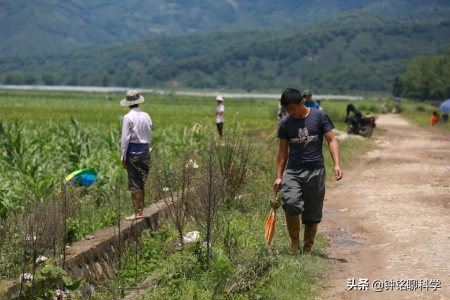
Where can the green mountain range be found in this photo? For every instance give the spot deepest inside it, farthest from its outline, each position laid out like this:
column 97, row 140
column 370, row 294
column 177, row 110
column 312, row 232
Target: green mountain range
column 49, row 26
column 353, row 51
column 357, row 51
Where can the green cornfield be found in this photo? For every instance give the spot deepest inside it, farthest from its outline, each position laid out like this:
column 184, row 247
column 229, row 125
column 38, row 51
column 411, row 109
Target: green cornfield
column 47, row 135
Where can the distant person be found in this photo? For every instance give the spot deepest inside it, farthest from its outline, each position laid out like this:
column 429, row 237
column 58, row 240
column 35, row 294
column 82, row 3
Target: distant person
column 396, row 109
column 281, row 111
column 383, row 108
column 434, row 118
column 301, row 135
column 220, row 109
column 135, row 150
column 308, row 100
column 319, row 102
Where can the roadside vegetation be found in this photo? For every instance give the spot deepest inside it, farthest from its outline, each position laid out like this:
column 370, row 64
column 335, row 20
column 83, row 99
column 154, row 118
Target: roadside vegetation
column 46, row 136
column 240, row 264
column 420, row 113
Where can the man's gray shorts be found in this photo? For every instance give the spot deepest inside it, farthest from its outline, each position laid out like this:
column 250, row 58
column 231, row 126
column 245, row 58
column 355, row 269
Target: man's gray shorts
column 303, row 193
column 138, row 166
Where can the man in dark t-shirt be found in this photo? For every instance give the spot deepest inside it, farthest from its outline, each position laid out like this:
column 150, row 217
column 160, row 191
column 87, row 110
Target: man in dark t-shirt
column 303, row 182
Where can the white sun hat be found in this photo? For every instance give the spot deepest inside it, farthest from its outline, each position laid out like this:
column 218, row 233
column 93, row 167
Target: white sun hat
column 219, row 98
column 132, row 97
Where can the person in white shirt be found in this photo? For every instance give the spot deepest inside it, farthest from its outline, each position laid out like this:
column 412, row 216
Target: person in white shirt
column 135, row 150
column 219, row 116
column 320, row 104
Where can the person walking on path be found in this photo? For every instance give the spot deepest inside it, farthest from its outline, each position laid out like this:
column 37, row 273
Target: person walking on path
column 135, row 150
column 220, row 109
column 308, row 100
column 301, row 136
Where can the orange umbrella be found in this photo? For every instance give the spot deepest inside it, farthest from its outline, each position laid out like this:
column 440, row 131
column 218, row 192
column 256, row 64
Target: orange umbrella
column 270, row 221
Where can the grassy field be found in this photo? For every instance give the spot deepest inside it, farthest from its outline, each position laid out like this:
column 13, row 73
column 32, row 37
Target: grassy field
column 42, row 142
column 93, row 109
column 420, row 113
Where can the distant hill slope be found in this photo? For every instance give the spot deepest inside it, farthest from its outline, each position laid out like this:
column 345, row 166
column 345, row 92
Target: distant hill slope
column 357, row 50
column 361, row 52
column 48, row 26
column 128, row 62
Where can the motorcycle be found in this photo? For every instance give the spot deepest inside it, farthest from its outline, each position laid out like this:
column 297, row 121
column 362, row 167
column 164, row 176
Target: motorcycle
column 358, row 124
column 364, row 127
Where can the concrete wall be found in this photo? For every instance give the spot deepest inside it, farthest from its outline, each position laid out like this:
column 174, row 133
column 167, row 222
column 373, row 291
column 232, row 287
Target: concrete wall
column 93, row 259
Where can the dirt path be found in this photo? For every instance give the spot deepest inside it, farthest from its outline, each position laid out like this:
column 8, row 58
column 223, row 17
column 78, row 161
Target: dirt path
column 395, row 201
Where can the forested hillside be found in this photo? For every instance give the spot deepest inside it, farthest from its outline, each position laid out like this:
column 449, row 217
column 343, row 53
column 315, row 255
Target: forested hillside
column 125, row 64
column 355, row 51
column 358, row 53
column 49, row 26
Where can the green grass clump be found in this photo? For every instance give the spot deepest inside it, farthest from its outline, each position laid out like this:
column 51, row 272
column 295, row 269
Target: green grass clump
column 246, row 268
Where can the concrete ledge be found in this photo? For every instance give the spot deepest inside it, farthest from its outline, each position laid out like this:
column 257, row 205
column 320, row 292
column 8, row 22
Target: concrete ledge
column 93, row 259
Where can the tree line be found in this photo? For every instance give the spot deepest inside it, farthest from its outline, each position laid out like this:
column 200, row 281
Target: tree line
column 27, row 78
column 426, row 78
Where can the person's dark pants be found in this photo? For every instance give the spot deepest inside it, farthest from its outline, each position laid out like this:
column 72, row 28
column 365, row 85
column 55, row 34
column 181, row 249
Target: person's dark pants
column 220, row 128
column 303, row 194
column 138, row 166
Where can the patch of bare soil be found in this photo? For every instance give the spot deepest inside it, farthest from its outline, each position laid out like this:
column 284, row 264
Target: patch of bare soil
column 341, row 135
column 394, row 202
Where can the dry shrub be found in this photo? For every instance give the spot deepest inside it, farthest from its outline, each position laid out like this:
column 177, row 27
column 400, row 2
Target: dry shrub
column 233, row 159
column 209, row 192
column 174, row 185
